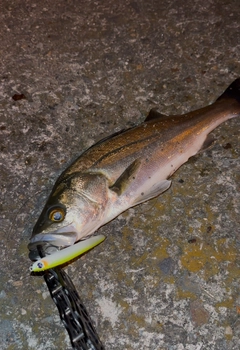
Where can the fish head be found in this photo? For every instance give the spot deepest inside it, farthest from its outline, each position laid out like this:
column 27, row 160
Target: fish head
column 73, row 211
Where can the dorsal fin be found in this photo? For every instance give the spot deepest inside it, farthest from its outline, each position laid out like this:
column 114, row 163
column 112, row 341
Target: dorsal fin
column 154, row 114
column 233, row 91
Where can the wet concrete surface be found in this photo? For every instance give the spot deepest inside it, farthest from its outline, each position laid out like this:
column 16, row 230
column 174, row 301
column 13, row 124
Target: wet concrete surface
column 73, row 72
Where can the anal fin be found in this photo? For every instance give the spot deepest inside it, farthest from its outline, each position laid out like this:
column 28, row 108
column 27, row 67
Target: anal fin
column 207, row 143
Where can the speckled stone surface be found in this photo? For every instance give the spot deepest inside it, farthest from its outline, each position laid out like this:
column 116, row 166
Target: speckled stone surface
column 167, row 277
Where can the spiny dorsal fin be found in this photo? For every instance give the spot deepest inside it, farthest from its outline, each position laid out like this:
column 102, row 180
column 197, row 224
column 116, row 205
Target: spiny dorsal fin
column 126, row 177
column 154, row 114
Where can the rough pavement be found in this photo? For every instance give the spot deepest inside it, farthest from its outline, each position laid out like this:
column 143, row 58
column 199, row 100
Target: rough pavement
column 73, row 72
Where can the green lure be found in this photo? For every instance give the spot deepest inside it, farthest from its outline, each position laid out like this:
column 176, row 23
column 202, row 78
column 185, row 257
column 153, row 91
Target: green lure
column 67, row 254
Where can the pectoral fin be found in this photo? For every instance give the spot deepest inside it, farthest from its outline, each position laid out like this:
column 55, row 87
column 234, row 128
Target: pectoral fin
column 126, row 177
column 154, row 191
column 144, row 192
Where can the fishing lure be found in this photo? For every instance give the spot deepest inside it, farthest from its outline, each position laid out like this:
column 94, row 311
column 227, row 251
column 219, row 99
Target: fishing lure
column 67, row 254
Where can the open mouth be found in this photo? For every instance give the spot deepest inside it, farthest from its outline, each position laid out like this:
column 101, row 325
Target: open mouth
column 50, row 243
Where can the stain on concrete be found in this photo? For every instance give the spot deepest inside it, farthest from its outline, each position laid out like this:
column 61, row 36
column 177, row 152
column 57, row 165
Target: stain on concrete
column 199, row 315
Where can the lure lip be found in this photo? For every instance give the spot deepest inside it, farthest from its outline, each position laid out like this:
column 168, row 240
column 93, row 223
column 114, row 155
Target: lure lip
column 50, row 242
column 67, row 254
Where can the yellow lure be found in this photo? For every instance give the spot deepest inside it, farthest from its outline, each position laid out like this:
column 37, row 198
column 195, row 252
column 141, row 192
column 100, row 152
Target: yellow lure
column 65, row 255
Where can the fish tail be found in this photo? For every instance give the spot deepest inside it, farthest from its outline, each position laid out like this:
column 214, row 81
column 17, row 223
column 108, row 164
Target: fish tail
column 232, row 92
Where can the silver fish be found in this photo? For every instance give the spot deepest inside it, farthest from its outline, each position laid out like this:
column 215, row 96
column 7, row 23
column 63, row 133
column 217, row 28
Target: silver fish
column 124, row 170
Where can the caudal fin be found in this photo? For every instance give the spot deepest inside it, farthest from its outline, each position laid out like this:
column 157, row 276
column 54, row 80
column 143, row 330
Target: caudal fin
column 232, row 92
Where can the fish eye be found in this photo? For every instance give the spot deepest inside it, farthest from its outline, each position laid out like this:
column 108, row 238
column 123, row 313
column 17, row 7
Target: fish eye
column 57, row 215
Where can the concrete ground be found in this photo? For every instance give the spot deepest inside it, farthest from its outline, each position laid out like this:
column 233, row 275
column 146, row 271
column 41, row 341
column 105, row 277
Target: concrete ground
column 167, row 277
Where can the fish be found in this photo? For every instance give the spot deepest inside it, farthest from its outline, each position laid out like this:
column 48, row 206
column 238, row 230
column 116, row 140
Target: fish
column 124, row 170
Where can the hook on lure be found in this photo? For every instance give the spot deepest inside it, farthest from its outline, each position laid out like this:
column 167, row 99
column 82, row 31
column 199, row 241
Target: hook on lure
column 67, row 254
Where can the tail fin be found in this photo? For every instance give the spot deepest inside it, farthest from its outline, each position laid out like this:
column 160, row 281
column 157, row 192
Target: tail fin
column 232, row 92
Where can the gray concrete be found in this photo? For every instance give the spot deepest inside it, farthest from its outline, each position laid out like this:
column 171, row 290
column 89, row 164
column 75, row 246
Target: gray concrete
column 167, row 277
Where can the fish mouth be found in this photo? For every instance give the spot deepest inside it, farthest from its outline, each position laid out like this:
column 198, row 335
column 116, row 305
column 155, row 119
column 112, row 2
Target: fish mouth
column 49, row 243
